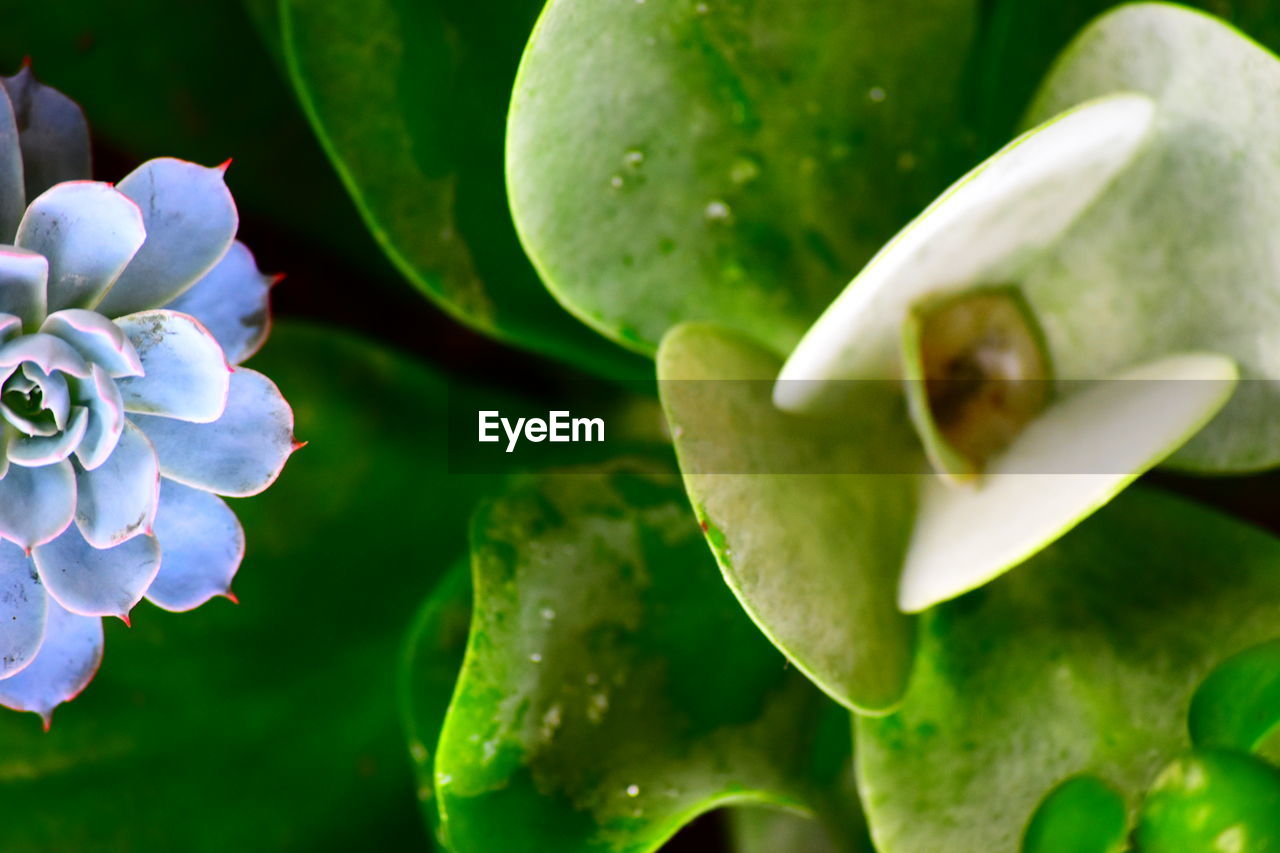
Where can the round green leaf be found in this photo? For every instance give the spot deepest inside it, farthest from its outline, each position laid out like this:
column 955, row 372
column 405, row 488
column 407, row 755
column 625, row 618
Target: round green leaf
column 612, row 689
column 1238, row 705
column 675, row 160
column 408, row 100
column 1178, row 254
column 271, row 724
column 1082, row 815
column 1212, row 801
column 813, row 557
column 1081, row 662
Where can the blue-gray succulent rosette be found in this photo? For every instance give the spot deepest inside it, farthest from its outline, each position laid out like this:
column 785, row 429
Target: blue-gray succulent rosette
column 125, row 312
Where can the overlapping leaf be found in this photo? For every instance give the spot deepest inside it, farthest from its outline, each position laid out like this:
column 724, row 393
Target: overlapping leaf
column 1178, row 254
column 1081, row 662
column 814, row 557
column 729, row 161
column 408, row 99
column 612, row 689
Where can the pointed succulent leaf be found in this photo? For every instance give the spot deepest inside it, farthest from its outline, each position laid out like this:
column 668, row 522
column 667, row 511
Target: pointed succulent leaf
column 23, row 278
column 97, row 582
column 36, row 504
column 981, row 230
column 68, row 659
column 53, row 133
column 232, row 301
column 10, row 327
column 117, row 500
column 101, row 397
column 55, row 392
column 96, row 338
column 239, row 454
column 1074, row 457
column 203, row 544
column 809, row 519
column 1192, row 211
column 13, row 197
column 35, row 450
column 89, row 231
column 1210, row 801
column 1078, row 663
column 185, row 374
column 777, row 185
column 190, row 221
column 48, row 353
column 415, row 131
column 589, row 591
column 22, row 610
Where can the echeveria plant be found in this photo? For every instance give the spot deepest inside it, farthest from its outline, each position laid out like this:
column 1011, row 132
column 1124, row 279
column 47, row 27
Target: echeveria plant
column 125, row 311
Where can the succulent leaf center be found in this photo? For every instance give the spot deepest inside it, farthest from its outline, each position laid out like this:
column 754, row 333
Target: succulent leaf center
column 977, row 373
column 23, row 405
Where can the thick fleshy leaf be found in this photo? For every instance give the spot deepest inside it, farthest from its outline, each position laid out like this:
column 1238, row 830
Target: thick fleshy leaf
column 185, row 374
column 97, row 339
column 36, row 504
column 48, row 353
column 53, row 133
column 101, row 397
column 203, row 544
column 809, row 519
column 190, row 221
column 414, row 128
column 980, row 231
column 23, row 277
column 13, row 198
column 55, row 391
column 117, row 500
column 68, row 659
column 89, row 231
column 188, row 701
column 233, row 302
column 1073, row 458
column 97, row 582
column 1238, row 705
column 22, row 610
column 1129, row 281
column 433, row 653
column 1212, row 801
column 1082, row 815
column 10, row 327
column 241, row 453
column 1081, row 662
column 35, row 450
column 764, row 830
column 675, row 161
column 580, row 717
